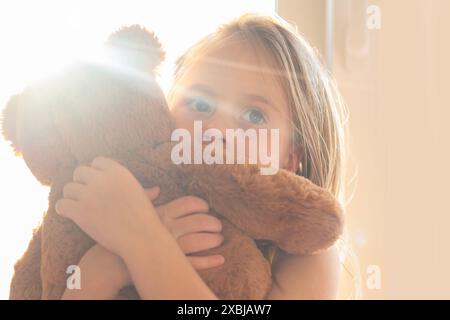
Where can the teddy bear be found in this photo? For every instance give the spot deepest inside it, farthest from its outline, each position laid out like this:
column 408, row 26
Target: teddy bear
column 116, row 109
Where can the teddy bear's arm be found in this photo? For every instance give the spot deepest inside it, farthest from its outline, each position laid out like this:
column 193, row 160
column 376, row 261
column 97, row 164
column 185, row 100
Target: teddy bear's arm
column 26, row 281
column 290, row 210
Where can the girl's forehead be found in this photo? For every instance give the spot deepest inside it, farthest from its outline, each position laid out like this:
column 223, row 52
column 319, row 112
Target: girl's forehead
column 243, row 56
column 238, row 67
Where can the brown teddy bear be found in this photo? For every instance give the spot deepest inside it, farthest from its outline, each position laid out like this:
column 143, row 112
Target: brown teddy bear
column 118, row 110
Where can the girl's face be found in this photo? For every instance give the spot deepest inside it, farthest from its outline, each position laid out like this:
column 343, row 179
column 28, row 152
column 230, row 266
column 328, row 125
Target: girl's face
column 235, row 88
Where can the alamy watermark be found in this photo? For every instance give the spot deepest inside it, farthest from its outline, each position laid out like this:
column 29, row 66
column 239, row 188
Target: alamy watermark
column 74, row 280
column 373, row 21
column 373, row 281
column 191, row 150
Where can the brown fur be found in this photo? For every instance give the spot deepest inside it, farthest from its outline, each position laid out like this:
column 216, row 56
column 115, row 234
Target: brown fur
column 91, row 110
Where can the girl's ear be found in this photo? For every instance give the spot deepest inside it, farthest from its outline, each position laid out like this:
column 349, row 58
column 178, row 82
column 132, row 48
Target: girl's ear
column 293, row 161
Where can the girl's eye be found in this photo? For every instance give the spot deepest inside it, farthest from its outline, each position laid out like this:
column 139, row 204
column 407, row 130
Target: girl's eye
column 254, row 116
column 199, row 105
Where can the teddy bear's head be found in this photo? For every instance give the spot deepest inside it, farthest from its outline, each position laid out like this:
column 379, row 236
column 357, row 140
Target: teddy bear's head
column 92, row 108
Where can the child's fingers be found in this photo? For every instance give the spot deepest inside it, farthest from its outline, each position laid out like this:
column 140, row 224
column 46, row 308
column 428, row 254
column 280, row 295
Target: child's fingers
column 152, row 193
column 195, row 242
column 72, row 190
column 199, row 222
column 102, row 163
column 184, row 206
column 84, row 174
column 66, row 207
column 200, row 263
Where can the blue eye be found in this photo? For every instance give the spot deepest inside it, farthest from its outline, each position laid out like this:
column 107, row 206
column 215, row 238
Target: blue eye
column 199, row 105
column 254, row 116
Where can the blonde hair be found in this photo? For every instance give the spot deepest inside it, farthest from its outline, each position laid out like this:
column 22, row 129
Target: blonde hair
column 318, row 115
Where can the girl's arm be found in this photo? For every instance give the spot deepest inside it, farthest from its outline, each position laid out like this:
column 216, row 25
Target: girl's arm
column 102, row 275
column 160, row 270
column 306, row 277
column 110, row 207
column 172, row 277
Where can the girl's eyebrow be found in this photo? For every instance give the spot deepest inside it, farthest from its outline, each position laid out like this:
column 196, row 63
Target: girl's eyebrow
column 261, row 99
column 202, row 88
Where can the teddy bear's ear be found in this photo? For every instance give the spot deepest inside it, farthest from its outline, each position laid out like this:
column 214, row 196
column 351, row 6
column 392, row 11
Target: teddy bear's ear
column 30, row 130
column 135, row 47
column 9, row 123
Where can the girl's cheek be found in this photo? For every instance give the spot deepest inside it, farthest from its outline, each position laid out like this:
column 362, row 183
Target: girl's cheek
column 179, row 115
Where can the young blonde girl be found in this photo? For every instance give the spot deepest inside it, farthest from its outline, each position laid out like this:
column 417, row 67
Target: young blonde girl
column 254, row 72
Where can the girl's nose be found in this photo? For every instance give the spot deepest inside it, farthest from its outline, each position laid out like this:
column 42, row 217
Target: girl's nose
column 220, row 121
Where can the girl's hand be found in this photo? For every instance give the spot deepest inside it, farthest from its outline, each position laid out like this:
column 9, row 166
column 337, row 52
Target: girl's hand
column 103, row 274
column 194, row 230
column 109, row 204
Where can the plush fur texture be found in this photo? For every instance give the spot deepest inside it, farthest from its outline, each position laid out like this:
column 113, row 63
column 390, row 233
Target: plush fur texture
column 119, row 111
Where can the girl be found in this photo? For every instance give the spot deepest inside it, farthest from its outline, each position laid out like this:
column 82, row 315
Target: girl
column 255, row 72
